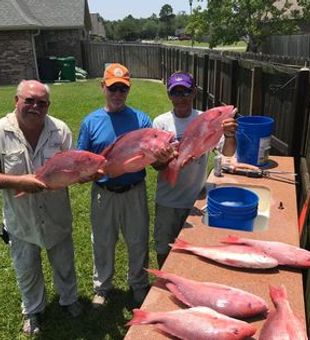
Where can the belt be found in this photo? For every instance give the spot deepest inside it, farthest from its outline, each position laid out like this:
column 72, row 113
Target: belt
column 119, row 189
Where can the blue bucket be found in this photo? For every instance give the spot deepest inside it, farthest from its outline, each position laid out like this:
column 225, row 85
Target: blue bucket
column 253, row 139
column 232, row 207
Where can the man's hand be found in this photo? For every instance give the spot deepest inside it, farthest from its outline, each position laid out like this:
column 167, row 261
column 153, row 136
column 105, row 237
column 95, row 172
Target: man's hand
column 29, row 183
column 94, row 177
column 165, row 156
column 229, row 127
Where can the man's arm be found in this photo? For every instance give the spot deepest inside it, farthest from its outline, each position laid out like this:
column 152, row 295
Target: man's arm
column 229, row 146
column 26, row 183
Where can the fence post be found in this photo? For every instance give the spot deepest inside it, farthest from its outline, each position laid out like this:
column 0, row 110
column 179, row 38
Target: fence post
column 233, row 84
column 205, row 82
column 256, row 99
column 301, row 102
column 195, row 72
column 217, row 81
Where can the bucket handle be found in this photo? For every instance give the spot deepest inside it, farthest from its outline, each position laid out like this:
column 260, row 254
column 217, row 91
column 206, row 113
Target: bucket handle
column 205, row 209
column 241, row 131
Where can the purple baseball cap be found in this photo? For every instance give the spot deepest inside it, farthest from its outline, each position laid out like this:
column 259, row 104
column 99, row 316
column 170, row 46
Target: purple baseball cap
column 180, row 79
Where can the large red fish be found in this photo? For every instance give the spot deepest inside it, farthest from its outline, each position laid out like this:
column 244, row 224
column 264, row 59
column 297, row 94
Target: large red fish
column 68, row 167
column 282, row 323
column 224, row 299
column 197, row 323
column 285, row 254
column 200, row 136
column 240, row 256
column 135, row 150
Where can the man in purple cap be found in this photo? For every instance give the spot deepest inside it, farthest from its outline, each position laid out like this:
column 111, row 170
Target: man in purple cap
column 173, row 204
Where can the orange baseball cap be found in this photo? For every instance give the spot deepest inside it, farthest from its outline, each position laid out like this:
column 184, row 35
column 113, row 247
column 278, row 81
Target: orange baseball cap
column 116, row 73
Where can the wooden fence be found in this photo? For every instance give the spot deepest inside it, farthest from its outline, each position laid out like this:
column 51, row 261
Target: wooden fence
column 278, row 87
column 294, row 45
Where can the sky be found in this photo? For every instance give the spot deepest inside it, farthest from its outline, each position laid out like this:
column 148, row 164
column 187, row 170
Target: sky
column 119, row 9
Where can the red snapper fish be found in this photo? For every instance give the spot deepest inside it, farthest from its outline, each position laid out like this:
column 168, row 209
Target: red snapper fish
column 282, row 324
column 224, row 299
column 199, row 323
column 240, row 256
column 200, row 136
column 135, row 150
column 286, row 254
column 68, row 167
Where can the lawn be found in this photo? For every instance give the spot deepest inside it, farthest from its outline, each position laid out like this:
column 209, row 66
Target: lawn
column 237, row 47
column 71, row 102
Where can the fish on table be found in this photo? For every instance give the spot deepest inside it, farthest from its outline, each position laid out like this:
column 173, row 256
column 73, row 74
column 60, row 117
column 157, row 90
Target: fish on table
column 224, row 299
column 282, row 323
column 135, row 150
column 284, row 253
column 197, row 323
column 200, row 136
column 241, row 256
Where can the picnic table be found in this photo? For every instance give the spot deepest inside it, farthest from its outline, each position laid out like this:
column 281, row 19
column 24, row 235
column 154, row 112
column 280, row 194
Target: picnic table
column 281, row 226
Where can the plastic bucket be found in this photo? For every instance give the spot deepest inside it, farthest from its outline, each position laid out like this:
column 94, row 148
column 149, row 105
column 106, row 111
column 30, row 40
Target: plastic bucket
column 232, row 207
column 253, row 139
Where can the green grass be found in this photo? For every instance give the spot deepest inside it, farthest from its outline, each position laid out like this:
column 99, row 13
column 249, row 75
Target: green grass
column 238, row 47
column 71, row 102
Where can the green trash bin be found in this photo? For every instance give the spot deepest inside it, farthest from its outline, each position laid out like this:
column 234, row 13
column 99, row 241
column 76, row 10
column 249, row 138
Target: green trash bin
column 67, row 68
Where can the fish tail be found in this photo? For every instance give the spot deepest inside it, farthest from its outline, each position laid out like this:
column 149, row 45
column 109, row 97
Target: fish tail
column 277, row 293
column 171, row 173
column 139, row 317
column 156, row 272
column 179, row 244
column 231, row 239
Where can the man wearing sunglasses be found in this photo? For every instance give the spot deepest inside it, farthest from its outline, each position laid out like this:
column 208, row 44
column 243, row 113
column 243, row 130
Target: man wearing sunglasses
column 173, row 204
column 117, row 203
column 28, row 138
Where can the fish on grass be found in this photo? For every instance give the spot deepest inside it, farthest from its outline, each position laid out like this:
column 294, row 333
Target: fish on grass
column 284, row 253
column 224, row 299
column 135, row 150
column 241, row 256
column 282, row 323
column 68, row 167
column 197, row 323
column 200, row 136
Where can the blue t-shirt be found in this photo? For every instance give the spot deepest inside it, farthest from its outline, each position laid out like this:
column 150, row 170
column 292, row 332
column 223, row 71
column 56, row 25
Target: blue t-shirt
column 101, row 128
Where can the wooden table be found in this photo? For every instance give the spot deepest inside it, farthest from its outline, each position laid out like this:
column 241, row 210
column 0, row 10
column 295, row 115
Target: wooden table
column 282, row 227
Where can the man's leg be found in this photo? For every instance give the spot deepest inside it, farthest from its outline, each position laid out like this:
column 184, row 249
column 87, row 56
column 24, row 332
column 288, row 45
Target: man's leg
column 105, row 228
column 27, row 263
column 135, row 228
column 61, row 258
column 168, row 224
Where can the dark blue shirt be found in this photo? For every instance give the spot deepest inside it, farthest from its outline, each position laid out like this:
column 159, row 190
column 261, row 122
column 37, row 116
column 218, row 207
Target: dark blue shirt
column 101, row 128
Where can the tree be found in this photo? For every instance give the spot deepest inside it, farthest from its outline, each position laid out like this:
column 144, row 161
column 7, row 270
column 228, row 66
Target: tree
column 166, row 16
column 229, row 21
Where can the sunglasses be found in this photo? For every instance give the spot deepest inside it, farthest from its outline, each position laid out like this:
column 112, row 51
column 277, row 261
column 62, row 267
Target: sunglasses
column 115, row 88
column 181, row 93
column 32, row 102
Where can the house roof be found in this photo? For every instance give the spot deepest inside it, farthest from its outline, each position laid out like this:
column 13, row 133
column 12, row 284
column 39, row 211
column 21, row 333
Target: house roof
column 43, row 14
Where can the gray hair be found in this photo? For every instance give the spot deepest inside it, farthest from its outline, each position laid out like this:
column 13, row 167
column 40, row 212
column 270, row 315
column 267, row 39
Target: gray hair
column 21, row 85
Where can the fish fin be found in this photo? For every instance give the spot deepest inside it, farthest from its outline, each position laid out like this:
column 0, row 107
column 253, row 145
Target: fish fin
column 139, row 316
column 277, row 293
column 171, row 173
column 108, row 149
column 179, row 244
column 19, row 194
column 155, row 272
column 134, row 158
column 174, row 290
column 232, row 239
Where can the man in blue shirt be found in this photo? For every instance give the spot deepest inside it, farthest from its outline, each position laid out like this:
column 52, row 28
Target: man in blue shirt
column 120, row 202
